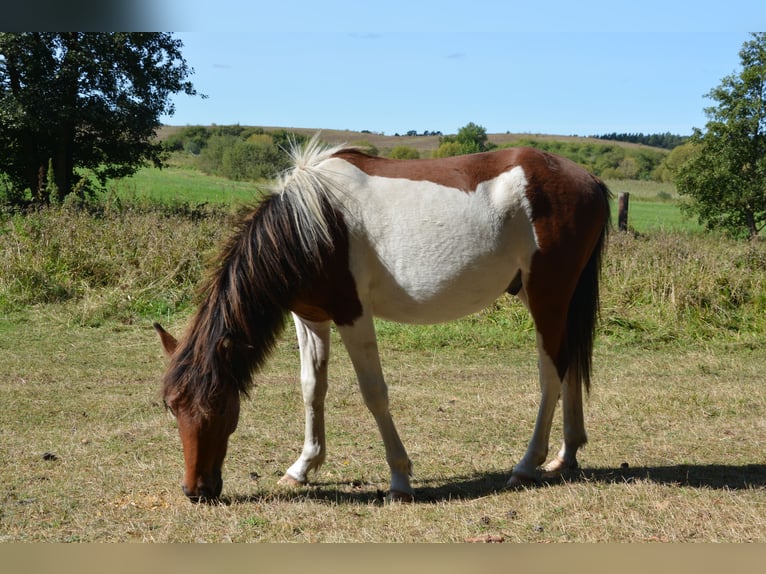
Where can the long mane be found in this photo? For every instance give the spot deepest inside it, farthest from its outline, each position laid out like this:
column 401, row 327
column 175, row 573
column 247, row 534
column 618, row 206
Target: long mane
column 276, row 250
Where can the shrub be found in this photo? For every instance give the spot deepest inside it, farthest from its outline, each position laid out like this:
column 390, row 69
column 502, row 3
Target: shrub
column 404, row 152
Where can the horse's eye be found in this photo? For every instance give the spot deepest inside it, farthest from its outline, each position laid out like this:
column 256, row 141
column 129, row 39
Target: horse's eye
column 168, row 407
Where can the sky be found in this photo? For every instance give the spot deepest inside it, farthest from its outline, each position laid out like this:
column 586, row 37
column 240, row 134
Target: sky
column 391, row 66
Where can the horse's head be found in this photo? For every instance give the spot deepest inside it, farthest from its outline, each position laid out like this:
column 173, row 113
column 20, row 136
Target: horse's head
column 204, row 433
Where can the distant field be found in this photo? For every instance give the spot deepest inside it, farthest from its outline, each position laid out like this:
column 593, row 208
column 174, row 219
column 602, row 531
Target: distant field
column 653, row 206
column 178, row 183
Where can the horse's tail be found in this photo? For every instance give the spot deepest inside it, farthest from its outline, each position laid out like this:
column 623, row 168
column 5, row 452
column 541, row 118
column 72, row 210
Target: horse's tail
column 585, row 304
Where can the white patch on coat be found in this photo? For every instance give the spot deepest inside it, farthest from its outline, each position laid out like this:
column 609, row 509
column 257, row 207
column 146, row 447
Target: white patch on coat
column 423, row 252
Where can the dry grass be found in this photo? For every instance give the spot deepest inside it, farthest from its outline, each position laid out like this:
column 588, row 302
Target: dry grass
column 118, row 263
column 676, row 453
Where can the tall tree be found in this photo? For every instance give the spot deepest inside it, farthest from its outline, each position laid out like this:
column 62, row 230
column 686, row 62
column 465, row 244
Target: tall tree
column 726, row 173
column 84, row 100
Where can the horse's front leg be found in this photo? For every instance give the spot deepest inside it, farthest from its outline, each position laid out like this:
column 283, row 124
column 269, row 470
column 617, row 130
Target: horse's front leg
column 314, row 343
column 362, row 347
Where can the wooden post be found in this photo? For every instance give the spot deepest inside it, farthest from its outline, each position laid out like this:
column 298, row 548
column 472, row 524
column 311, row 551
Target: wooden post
column 622, row 211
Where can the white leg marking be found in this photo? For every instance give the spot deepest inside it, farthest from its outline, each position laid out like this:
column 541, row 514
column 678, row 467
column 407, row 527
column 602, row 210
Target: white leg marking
column 362, row 347
column 574, row 428
column 550, row 387
column 314, row 343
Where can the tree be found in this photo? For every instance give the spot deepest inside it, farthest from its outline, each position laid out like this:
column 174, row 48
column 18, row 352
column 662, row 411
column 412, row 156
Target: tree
column 84, row 101
column 471, row 138
column 726, row 173
column 669, row 166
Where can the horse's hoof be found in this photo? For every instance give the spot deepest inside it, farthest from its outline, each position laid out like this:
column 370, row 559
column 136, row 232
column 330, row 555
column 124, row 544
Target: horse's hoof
column 398, row 496
column 289, row 482
column 555, row 468
column 517, row 482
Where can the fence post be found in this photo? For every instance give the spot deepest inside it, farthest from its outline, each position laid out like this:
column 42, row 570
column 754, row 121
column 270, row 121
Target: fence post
column 622, row 211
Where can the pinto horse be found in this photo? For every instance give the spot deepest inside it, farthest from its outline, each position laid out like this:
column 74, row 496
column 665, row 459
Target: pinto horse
column 345, row 237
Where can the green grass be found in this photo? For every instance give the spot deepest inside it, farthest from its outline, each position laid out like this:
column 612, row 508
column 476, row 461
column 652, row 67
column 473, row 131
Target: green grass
column 653, row 206
column 180, row 182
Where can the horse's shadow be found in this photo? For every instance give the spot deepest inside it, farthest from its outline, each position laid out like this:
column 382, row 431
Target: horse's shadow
column 467, row 487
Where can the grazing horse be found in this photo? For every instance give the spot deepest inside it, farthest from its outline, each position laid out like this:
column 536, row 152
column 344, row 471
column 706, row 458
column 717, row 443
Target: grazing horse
column 345, row 237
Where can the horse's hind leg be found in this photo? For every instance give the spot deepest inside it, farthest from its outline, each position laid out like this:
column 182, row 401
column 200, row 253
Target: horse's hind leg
column 574, row 428
column 527, row 469
column 362, row 347
column 314, row 343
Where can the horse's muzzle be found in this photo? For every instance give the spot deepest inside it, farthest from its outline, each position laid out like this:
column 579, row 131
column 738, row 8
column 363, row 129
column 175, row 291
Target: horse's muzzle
column 205, row 493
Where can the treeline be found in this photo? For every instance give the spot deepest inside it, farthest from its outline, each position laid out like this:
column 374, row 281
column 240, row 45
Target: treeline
column 412, row 133
column 236, row 152
column 666, row 140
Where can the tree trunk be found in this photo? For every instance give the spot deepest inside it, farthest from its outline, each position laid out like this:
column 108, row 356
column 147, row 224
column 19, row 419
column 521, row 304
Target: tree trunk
column 752, row 228
column 63, row 164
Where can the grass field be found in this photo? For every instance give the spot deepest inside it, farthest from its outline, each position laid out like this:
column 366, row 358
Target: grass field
column 675, row 418
column 89, row 454
column 181, row 183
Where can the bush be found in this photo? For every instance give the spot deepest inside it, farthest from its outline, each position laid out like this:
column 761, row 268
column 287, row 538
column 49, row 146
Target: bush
column 190, row 139
column 404, row 152
column 253, row 160
column 246, row 154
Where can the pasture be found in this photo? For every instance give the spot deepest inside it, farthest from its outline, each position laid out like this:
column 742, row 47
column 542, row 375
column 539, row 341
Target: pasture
column 675, row 418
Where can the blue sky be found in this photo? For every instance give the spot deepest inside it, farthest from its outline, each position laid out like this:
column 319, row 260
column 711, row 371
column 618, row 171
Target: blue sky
column 391, row 66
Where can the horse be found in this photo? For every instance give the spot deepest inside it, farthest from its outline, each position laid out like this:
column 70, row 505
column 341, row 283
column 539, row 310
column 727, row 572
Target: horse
column 344, row 237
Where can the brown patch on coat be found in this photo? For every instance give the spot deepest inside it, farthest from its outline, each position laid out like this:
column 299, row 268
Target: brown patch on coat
column 463, row 172
column 570, row 214
column 333, row 295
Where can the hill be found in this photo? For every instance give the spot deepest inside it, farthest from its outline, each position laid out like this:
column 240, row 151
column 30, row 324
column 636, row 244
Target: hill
column 422, row 143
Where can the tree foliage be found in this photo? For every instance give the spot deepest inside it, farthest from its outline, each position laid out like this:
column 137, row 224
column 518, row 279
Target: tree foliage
column 237, row 152
column 726, row 174
column 83, row 101
column 471, row 138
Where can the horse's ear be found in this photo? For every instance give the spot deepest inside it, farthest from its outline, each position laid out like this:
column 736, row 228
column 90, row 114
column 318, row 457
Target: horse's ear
column 169, row 342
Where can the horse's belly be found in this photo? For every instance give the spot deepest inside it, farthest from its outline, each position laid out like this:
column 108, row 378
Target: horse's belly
column 436, row 309
column 420, row 293
column 423, row 253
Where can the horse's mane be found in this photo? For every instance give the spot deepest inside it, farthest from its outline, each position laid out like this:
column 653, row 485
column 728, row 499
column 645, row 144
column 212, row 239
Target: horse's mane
column 277, row 248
